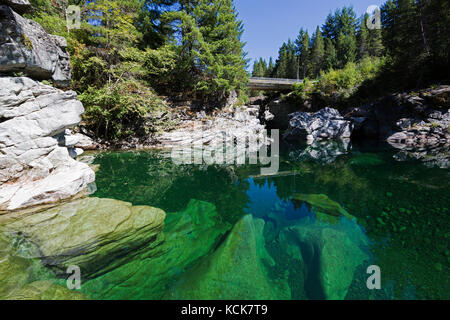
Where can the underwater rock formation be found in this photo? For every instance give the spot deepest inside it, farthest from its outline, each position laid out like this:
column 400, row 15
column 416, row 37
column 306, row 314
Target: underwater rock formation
column 331, row 256
column 323, row 207
column 188, row 236
column 97, row 235
column 236, row 270
column 13, row 269
column 45, row 290
column 322, row 248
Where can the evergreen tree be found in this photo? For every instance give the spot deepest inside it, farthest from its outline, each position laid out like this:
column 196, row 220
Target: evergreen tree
column 256, row 69
column 263, row 67
column 330, row 59
column 317, row 53
column 270, row 68
column 259, row 68
column 376, row 47
column 346, row 49
column 330, row 27
column 286, row 64
column 303, row 52
column 211, row 51
column 363, row 38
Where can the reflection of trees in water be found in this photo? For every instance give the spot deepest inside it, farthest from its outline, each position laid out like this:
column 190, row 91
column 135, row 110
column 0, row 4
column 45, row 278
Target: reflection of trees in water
column 145, row 178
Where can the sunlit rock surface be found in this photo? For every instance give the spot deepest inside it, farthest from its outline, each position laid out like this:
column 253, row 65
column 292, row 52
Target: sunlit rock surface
column 322, row 125
column 35, row 165
column 26, row 47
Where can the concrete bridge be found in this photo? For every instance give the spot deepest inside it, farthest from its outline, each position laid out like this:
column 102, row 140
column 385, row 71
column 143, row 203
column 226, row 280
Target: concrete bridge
column 267, row 84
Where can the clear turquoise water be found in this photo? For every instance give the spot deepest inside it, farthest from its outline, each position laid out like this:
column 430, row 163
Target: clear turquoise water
column 234, row 234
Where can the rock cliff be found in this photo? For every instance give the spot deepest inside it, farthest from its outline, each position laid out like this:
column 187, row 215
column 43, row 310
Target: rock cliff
column 36, row 153
column 26, row 47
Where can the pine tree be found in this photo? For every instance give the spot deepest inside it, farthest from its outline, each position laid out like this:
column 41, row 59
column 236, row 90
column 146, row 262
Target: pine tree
column 376, row 47
column 263, row 66
column 317, row 53
column 330, row 60
column 346, row 49
column 270, row 68
column 256, row 69
column 286, row 64
column 330, row 27
column 303, row 52
column 211, row 51
column 363, row 39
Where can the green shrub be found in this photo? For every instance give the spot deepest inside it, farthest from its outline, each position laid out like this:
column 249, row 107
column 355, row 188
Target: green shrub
column 346, row 80
column 119, row 110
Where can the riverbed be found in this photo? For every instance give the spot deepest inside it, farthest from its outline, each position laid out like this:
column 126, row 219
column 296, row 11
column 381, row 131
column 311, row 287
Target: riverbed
column 311, row 231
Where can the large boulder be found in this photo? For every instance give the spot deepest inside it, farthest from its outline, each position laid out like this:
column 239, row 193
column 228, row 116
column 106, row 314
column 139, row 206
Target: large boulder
column 97, row 235
column 189, row 235
column 322, row 125
column 26, row 47
column 236, row 270
column 35, row 165
column 20, row 6
column 331, row 255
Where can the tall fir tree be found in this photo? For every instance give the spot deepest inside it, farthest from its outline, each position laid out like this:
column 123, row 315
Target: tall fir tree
column 270, row 68
column 363, row 38
column 303, row 52
column 211, row 50
column 317, row 53
column 330, row 59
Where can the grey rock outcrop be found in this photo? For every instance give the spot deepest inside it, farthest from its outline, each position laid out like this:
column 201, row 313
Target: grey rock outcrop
column 322, row 125
column 20, row 6
column 230, row 128
column 26, row 47
column 35, row 164
column 406, row 120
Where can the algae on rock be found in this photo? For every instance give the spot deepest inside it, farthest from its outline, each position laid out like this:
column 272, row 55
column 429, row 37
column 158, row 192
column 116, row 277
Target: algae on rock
column 95, row 234
column 46, row 290
column 236, row 270
column 188, row 236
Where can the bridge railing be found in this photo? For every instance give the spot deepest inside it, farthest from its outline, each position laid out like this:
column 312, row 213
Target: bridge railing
column 275, row 80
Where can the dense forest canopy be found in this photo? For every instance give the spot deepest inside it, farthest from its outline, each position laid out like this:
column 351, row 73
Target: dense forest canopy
column 413, row 38
column 130, row 56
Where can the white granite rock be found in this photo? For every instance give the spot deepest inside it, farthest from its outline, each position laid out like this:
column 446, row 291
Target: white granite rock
column 35, row 167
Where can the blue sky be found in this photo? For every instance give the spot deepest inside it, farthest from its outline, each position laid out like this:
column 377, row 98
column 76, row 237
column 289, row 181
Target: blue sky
column 268, row 23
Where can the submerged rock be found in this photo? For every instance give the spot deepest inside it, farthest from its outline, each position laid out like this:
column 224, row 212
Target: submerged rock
column 188, row 236
column 325, row 209
column 46, row 290
column 366, row 159
column 97, row 235
column 35, row 168
column 322, row 125
column 236, row 270
column 331, row 256
column 13, row 269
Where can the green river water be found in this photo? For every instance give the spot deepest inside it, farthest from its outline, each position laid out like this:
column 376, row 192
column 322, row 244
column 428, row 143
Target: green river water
column 309, row 232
